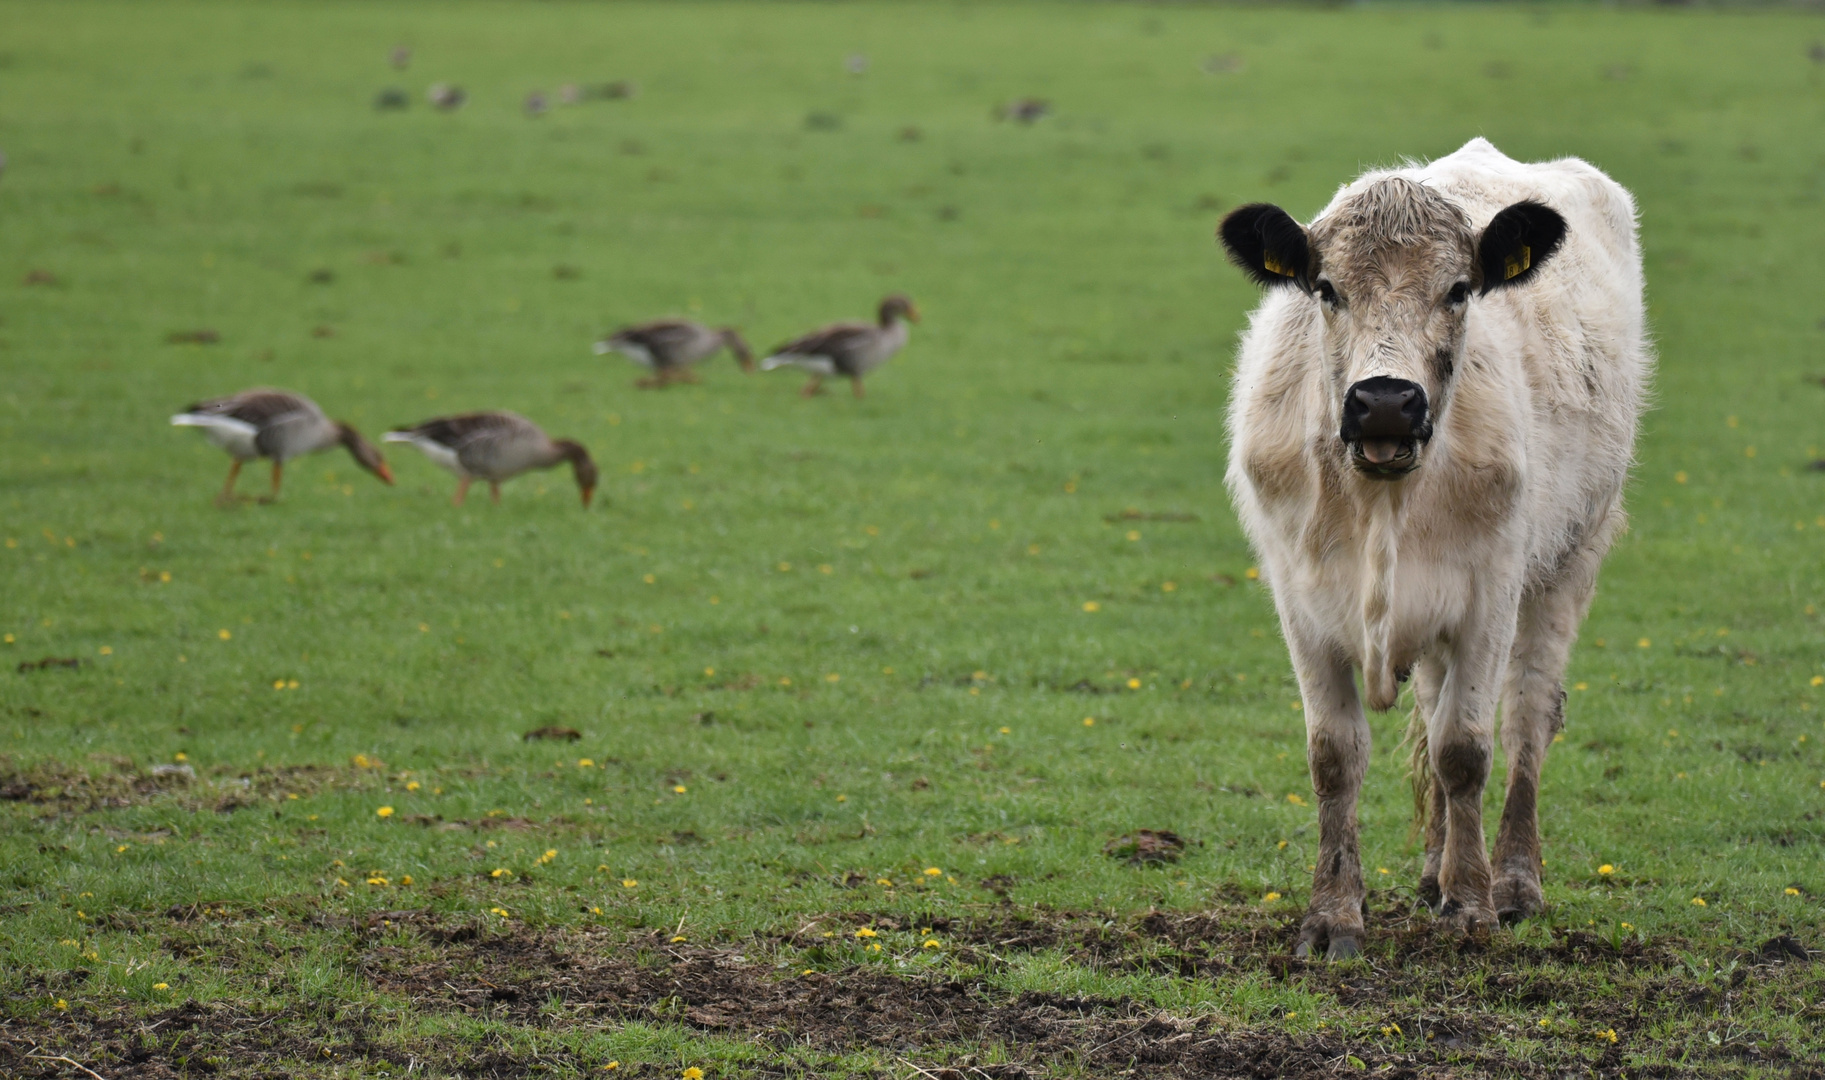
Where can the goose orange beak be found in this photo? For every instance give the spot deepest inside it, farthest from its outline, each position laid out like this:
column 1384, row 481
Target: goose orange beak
column 384, row 473
column 587, row 493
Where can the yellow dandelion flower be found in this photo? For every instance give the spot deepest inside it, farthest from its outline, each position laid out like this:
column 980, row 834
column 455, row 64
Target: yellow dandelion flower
column 1628, row 926
column 1790, row 891
column 611, row 1066
column 500, row 872
column 501, row 911
column 424, row 628
column 1818, row 680
column 1270, row 898
column 413, row 785
column 785, row 568
column 1281, row 845
column 1295, row 799
column 586, row 763
column 1007, row 731
column 628, row 883
column 107, row 650
column 887, row 882
column 1643, row 643
column 1133, row 535
column 680, row 939
column 932, row 943
column 180, row 756
column 842, row 798
column 550, row 854
column 61, row 1005
column 405, row 879
column 342, row 883
column 1698, row 901
column 223, row 634
column 385, row 811
column 377, row 880
column 693, row 1073
column 678, row 789
column 1134, row 684
column 1092, row 606
column 1090, row 721
column 785, row 681
column 833, row 677
column 865, row 932
column 1606, row 868
column 161, row 986
column 1252, row 573
column 1383, row 870
column 932, row 871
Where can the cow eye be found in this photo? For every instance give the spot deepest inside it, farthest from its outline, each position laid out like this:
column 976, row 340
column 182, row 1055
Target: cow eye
column 1458, row 294
column 1327, row 293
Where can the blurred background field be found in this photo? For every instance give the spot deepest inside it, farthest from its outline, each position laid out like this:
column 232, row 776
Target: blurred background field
column 982, row 623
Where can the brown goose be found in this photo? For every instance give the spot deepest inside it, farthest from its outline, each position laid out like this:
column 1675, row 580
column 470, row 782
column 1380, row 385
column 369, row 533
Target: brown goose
column 275, row 424
column 851, row 350
column 669, row 348
column 495, row 446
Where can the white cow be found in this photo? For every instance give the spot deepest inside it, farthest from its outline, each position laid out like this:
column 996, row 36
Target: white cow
column 1433, row 417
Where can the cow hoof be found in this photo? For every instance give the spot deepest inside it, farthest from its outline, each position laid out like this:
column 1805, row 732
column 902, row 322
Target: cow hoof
column 1336, row 939
column 1517, row 898
column 1460, row 921
column 1429, row 893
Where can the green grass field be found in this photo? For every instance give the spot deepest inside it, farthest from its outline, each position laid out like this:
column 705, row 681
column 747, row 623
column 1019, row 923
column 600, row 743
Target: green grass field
column 864, row 688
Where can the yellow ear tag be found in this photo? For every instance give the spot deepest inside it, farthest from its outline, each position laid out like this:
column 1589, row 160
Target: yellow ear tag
column 1274, row 266
column 1513, row 266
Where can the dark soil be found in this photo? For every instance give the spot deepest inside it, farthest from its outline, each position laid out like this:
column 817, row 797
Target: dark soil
column 1451, row 1006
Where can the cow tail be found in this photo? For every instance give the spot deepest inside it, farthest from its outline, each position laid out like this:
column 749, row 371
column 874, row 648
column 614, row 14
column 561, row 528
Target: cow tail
column 1419, row 766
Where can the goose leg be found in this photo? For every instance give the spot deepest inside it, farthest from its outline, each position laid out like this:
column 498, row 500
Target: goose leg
column 227, row 495
column 494, row 491
column 462, row 491
column 278, row 472
column 855, row 385
column 813, row 388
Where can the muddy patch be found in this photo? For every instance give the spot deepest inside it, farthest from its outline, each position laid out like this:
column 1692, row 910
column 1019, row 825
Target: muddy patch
column 117, row 782
column 1415, row 1006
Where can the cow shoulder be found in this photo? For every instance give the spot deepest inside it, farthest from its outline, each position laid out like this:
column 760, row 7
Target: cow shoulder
column 1279, row 384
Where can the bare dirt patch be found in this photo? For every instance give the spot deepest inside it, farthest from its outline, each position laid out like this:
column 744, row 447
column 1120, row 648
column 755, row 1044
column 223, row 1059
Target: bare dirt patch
column 1441, row 1008
column 117, row 782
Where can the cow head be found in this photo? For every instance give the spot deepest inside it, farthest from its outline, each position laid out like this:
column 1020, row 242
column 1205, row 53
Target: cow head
column 1393, row 270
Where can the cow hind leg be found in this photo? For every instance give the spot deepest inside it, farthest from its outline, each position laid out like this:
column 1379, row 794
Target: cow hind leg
column 1533, row 711
column 1428, row 793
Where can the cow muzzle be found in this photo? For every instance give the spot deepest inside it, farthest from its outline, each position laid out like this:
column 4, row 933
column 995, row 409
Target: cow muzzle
column 1385, row 423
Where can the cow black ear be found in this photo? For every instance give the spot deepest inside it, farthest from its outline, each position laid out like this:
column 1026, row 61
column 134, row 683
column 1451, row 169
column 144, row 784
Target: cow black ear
column 1264, row 240
column 1517, row 243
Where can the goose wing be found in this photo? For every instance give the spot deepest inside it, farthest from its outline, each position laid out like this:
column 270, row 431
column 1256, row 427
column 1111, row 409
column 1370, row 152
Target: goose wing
column 494, row 445
column 841, row 345
column 257, row 407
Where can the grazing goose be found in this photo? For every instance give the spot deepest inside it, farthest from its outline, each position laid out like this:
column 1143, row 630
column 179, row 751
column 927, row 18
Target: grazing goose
column 495, row 446
column 275, row 424
column 669, row 348
column 851, row 350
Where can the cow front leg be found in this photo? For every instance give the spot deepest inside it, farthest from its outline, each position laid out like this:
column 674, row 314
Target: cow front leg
column 1533, row 711
column 1460, row 742
column 1337, row 752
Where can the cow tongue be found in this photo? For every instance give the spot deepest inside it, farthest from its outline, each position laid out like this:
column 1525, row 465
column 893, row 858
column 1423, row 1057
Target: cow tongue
column 1380, row 451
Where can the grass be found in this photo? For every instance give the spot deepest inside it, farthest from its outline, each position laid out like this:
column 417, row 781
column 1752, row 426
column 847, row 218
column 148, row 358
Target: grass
column 816, row 647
